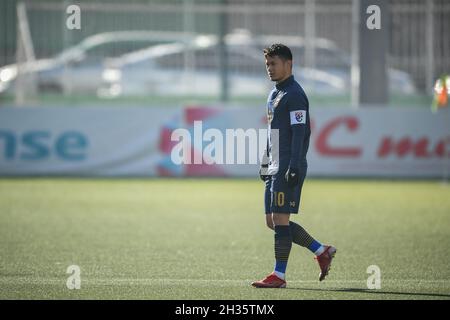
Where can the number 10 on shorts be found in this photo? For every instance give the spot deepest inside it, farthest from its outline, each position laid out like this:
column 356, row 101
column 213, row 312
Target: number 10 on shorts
column 278, row 198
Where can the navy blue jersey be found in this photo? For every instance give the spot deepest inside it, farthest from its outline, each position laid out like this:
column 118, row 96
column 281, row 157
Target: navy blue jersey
column 288, row 111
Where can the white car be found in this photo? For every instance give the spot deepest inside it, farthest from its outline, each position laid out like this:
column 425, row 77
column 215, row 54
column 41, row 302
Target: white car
column 79, row 69
column 192, row 67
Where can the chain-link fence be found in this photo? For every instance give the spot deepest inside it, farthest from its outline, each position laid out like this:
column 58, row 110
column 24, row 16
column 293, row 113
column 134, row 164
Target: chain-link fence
column 196, row 48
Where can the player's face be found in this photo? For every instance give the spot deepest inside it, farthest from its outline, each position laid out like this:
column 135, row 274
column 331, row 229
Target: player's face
column 277, row 68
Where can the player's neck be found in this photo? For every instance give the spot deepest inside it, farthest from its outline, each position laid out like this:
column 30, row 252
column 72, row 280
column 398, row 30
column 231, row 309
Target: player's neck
column 284, row 79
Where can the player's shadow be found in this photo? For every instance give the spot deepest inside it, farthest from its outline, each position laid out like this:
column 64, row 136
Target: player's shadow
column 369, row 291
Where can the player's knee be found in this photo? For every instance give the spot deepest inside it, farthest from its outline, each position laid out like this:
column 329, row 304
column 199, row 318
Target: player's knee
column 280, row 219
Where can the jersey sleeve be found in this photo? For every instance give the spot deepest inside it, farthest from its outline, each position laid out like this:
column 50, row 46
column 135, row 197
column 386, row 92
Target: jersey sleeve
column 298, row 108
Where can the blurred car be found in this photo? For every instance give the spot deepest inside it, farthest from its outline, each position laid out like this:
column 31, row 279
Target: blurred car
column 330, row 58
column 192, row 68
column 79, row 69
column 108, row 65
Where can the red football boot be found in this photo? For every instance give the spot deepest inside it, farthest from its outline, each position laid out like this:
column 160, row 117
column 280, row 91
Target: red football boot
column 324, row 261
column 271, row 281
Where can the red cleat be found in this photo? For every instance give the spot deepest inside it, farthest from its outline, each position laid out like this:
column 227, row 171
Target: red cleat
column 271, row 281
column 324, row 261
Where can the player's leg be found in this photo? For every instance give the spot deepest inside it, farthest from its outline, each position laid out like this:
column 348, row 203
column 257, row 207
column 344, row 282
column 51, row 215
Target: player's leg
column 277, row 217
column 302, row 238
column 324, row 253
column 299, row 235
column 279, row 222
column 281, row 215
column 282, row 243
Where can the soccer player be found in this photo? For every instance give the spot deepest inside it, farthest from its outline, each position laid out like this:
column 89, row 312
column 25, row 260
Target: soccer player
column 284, row 166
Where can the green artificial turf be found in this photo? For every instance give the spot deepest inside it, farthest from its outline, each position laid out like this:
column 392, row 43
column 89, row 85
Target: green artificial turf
column 207, row 239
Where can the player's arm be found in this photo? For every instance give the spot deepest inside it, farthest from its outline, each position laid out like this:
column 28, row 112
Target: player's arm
column 297, row 106
column 263, row 169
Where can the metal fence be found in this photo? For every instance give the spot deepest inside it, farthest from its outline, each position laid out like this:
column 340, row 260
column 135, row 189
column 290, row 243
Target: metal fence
column 419, row 45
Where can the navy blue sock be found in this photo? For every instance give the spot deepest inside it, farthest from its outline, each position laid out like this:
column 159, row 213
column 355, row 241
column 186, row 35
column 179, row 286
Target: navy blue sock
column 283, row 244
column 301, row 237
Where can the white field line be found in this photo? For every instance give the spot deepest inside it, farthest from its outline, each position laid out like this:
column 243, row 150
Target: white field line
column 202, row 282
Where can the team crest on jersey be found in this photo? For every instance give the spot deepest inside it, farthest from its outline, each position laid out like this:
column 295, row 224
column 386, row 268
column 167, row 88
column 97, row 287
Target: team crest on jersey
column 298, row 117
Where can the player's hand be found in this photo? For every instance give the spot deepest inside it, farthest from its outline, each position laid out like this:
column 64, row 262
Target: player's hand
column 292, row 176
column 263, row 177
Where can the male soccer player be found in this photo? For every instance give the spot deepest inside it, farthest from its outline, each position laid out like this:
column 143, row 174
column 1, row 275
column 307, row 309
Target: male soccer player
column 284, row 168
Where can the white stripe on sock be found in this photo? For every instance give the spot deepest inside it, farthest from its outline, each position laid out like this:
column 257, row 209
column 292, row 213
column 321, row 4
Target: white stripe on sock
column 279, row 274
column 319, row 251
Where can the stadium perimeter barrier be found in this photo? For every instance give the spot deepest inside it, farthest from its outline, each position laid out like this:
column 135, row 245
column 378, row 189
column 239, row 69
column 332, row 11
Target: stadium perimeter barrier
column 139, row 141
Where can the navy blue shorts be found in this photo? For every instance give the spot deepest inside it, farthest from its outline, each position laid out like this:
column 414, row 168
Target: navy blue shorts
column 279, row 197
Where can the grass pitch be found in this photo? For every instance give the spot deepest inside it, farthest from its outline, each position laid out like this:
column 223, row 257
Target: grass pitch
column 206, row 239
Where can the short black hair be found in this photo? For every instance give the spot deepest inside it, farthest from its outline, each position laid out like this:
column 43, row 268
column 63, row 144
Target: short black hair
column 278, row 49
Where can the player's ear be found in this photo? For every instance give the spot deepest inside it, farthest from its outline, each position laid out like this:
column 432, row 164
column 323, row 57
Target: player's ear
column 288, row 63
